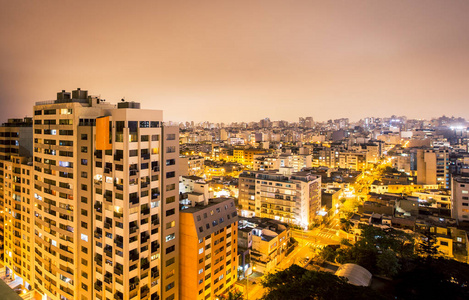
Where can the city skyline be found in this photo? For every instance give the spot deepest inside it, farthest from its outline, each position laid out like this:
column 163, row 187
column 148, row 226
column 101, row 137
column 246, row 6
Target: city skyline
column 253, row 60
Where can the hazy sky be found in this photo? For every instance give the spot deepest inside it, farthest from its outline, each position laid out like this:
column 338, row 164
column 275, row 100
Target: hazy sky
column 241, row 60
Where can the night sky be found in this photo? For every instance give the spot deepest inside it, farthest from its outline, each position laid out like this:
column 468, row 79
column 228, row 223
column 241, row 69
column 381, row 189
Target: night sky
column 241, row 60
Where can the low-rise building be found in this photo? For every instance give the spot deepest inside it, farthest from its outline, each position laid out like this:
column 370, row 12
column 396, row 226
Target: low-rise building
column 191, row 165
column 460, row 199
column 266, row 240
column 209, row 244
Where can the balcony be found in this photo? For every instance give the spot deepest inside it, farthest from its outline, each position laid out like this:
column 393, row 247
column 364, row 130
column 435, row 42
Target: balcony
column 144, row 184
column 98, row 259
column 155, row 245
column 118, row 296
column 144, row 264
column 108, row 198
column 98, row 206
column 108, row 225
column 144, row 238
column 134, row 256
column 134, row 200
column 98, row 285
column 145, row 211
column 98, row 154
column 155, row 195
column 118, row 270
column 155, row 221
column 133, row 229
column 155, row 273
column 108, row 278
column 119, row 243
column 144, row 292
column 108, row 251
column 118, row 215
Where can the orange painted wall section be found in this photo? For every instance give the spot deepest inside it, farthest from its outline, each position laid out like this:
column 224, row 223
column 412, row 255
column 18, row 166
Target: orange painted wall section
column 102, row 134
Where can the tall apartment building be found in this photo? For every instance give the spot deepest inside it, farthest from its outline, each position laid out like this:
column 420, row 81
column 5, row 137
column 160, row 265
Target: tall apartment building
column 105, row 178
column 460, row 199
column 209, row 243
column 15, row 139
column 433, row 167
column 293, row 198
column 18, row 212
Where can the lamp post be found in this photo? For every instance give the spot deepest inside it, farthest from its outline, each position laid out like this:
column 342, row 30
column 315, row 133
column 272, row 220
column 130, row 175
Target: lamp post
column 247, row 283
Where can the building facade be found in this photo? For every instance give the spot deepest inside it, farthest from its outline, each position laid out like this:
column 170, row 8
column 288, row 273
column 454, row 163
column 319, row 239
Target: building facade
column 209, row 243
column 105, row 189
column 293, row 198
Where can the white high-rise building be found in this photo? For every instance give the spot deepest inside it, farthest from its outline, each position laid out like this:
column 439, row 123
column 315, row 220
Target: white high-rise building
column 106, row 198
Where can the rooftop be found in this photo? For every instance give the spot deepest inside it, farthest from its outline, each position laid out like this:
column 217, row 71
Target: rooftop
column 7, row 293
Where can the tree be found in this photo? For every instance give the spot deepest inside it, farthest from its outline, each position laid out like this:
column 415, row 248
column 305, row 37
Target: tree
column 345, row 224
column 232, row 295
column 434, row 278
column 427, row 247
column 328, row 253
column 372, row 243
column 297, row 283
column 387, row 263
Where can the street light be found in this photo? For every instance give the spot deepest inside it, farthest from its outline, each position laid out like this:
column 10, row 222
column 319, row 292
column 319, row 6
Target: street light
column 247, row 282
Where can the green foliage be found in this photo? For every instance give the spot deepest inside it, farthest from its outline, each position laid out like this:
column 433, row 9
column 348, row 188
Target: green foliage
column 427, row 246
column 388, row 263
column 297, row 283
column 345, row 224
column 373, row 247
column 434, row 278
column 328, row 254
column 232, row 295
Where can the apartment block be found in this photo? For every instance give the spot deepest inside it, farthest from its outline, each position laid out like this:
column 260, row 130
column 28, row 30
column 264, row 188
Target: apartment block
column 208, row 243
column 290, row 197
column 262, row 163
column 433, row 167
column 267, row 241
column 15, row 140
column 105, row 178
column 353, row 160
column 191, row 165
column 18, row 215
column 460, row 199
column 295, row 161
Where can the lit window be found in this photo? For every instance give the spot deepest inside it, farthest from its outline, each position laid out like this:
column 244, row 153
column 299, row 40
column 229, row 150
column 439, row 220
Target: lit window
column 84, row 237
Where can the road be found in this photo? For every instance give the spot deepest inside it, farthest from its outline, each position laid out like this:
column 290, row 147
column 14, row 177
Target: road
column 303, row 250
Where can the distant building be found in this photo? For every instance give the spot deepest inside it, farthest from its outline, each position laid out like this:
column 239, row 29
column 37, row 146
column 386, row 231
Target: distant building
column 290, row 197
column 433, row 167
column 460, row 199
column 191, row 165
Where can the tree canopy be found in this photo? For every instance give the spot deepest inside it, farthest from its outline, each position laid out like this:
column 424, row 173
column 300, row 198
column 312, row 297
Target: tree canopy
column 297, row 283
